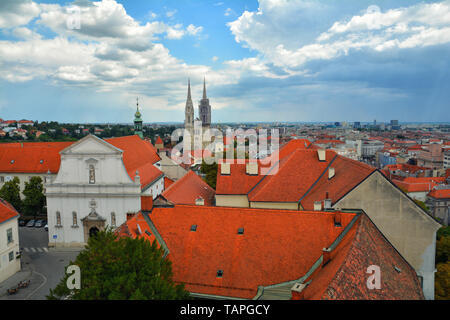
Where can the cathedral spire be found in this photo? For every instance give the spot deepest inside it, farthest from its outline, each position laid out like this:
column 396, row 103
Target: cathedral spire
column 189, row 89
column 204, row 88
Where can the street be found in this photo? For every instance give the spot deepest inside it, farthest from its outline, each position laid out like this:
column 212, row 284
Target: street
column 43, row 266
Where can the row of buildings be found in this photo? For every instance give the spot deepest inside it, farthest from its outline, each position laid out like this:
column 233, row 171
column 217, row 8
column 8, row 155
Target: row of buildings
column 312, row 229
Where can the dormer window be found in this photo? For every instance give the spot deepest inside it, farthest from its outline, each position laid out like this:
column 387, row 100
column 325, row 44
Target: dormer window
column 41, row 162
column 219, row 274
column 12, row 161
column 240, row 231
column 91, row 174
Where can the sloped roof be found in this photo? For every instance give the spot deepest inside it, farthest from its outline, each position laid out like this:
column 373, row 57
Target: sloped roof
column 421, row 184
column 138, row 155
column 440, row 194
column 187, row 189
column 348, row 174
column 276, row 246
column 7, row 211
column 167, row 182
column 345, row 277
column 31, row 157
column 298, row 176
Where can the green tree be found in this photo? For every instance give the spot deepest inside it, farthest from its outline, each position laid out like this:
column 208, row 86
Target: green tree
column 442, row 282
column 121, row 268
column 210, row 171
column 34, row 201
column 10, row 192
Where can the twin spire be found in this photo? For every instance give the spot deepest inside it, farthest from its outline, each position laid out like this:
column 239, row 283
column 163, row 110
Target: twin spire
column 204, row 89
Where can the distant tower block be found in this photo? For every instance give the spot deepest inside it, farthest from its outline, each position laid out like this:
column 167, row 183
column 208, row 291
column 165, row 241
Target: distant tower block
column 138, row 121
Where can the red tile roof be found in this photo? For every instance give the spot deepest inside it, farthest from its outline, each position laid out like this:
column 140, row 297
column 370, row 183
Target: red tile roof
column 138, row 155
column 412, row 184
column 440, row 194
column 27, row 157
column 159, row 141
column 188, row 189
column 167, row 182
column 7, row 211
column 348, row 174
column 301, row 177
column 345, row 277
column 277, row 245
column 296, row 174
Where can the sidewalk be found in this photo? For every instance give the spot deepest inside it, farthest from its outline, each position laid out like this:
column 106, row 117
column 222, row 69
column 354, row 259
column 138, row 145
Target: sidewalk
column 24, row 274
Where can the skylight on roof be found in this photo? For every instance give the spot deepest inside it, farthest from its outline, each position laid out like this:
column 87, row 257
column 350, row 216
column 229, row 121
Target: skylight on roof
column 240, row 231
column 12, row 161
column 219, row 273
column 194, row 227
column 41, row 162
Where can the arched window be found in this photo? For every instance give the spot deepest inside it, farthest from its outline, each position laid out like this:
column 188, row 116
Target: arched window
column 58, row 218
column 113, row 219
column 91, row 174
column 74, row 219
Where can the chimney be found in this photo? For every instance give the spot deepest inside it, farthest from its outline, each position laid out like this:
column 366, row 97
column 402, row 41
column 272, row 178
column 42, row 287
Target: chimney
column 337, row 219
column 225, row 168
column 331, row 173
column 327, row 204
column 251, row 168
column 317, row 205
column 321, row 154
column 199, row 201
column 298, row 291
column 326, row 256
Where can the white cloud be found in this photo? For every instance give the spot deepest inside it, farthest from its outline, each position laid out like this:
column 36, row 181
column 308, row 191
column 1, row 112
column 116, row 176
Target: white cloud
column 193, row 30
column 269, row 31
column 215, row 59
column 171, row 13
column 15, row 13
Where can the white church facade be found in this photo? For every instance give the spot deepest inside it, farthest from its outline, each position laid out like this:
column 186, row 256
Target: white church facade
column 98, row 184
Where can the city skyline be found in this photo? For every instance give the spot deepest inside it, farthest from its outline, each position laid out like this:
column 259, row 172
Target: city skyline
column 264, row 61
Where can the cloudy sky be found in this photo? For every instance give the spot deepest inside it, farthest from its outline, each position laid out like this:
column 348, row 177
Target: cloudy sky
column 264, row 60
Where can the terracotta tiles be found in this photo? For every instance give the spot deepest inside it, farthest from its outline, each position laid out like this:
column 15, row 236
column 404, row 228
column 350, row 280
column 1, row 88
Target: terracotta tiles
column 7, row 211
column 188, row 189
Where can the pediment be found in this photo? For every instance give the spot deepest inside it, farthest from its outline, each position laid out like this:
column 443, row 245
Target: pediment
column 91, row 145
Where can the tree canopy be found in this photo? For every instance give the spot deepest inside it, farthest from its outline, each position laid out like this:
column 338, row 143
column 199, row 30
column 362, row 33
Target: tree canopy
column 121, row 268
column 10, row 192
column 34, row 201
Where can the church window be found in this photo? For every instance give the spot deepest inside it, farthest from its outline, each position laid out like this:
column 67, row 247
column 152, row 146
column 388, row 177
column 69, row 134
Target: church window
column 91, row 174
column 113, row 219
column 58, row 218
column 74, row 219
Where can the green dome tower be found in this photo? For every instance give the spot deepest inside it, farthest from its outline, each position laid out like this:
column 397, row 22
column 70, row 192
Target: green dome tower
column 138, row 121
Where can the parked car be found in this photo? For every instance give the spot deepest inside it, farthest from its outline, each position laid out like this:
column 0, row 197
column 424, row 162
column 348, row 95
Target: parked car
column 30, row 223
column 39, row 224
column 22, row 222
column 46, row 227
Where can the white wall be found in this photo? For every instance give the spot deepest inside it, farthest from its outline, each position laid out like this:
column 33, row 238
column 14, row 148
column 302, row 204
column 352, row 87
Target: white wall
column 8, row 268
